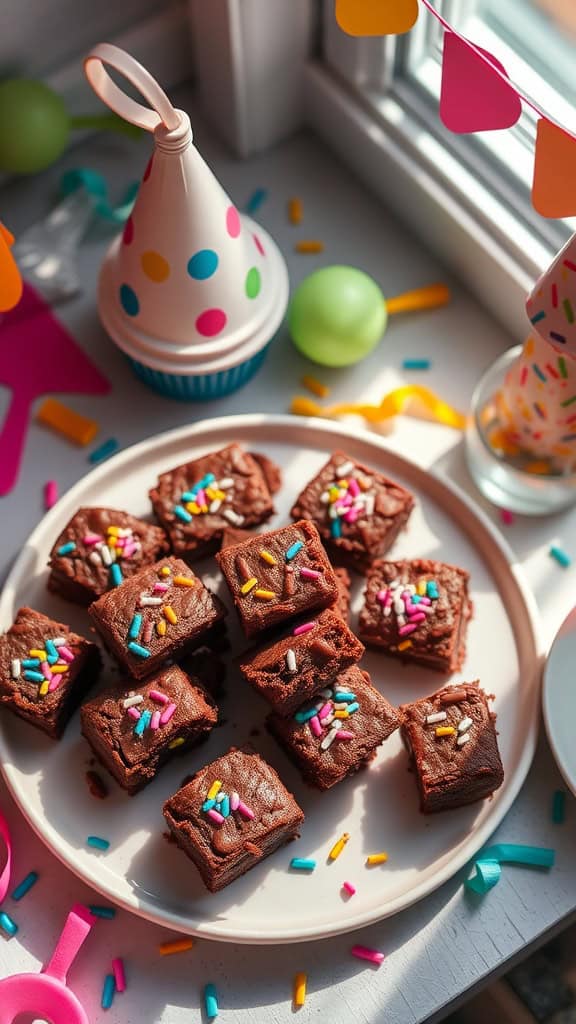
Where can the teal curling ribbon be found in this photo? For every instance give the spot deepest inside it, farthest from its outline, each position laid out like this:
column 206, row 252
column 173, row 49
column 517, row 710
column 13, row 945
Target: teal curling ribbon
column 96, row 186
column 488, row 868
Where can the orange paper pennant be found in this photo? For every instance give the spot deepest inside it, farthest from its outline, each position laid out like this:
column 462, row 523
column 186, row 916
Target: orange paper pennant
column 554, row 184
column 10, row 280
column 376, row 17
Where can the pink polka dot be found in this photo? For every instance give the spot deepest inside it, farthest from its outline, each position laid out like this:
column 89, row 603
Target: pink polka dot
column 128, row 233
column 211, row 322
column 148, row 169
column 259, row 245
column 232, row 222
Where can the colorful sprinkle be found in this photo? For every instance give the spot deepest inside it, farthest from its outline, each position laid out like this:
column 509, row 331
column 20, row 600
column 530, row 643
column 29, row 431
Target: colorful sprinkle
column 376, row 858
column 215, row 816
column 349, row 888
column 182, row 514
column 184, row 581
column 177, row 946
column 50, row 494
column 7, row 924
column 65, row 421
column 445, row 730
column 267, row 557
column 167, row 714
column 560, row 556
column 364, row 953
column 439, row 716
column 170, row 614
column 507, row 516
column 293, row 550
column 249, row 585
column 97, row 843
column 304, row 628
column 416, row 364
column 161, row 627
column 138, row 650
column 299, row 988
column 246, row 811
column 106, row 913
column 339, row 846
column 539, row 373
column 315, row 386
column 309, row 246
column 214, row 789
column 291, row 661
column 210, row 1001
column 66, row 549
column 559, row 807
column 132, row 701
column 178, row 742
column 142, row 723
column 25, row 886
column 104, row 451
column 264, row 595
column 159, row 697
column 135, row 627
column 302, row 864
column 108, row 991
column 309, row 574
column 119, row 974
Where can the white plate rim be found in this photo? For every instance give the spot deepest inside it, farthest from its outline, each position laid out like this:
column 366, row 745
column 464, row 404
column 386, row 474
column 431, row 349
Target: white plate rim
column 548, row 710
column 338, row 433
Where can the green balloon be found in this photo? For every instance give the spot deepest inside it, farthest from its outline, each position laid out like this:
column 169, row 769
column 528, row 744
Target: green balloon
column 337, row 316
column 34, row 126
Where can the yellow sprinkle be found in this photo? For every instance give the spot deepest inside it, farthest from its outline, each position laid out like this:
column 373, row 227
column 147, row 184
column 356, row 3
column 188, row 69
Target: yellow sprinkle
column 404, row 645
column 249, row 585
column 184, row 581
column 178, row 946
column 339, row 846
column 295, row 211
column 214, row 790
column 161, row 628
column 445, row 730
column 210, row 493
column 114, row 530
column 341, row 714
column 38, row 654
column 315, row 386
column 112, row 541
column 377, row 858
column 265, row 595
column 170, row 614
column 421, row 588
column 176, row 743
column 218, row 494
column 529, row 347
column 334, row 495
column 44, row 688
column 204, row 508
column 67, row 422
column 268, row 557
column 309, row 246
column 193, row 508
column 59, row 669
column 165, row 570
column 300, row 980
column 540, row 466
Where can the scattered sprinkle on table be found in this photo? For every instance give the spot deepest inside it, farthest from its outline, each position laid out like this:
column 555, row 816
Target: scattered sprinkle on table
column 365, row 953
column 339, row 846
column 295, row 210
column 415, row 364
column 176, row 946
column 108, row 991
column 104, row 451
column 108, row 913
column 506, row 516
column 560, row 556
column 315, row 386
column 559, row 807
column 97, row 843
column 50, row 494
column 309, row 246
column 119, row 974
column 349, row 888
column 377, row 858
column 256, row 200
column 302, row 864
column 25, row 886
column 210, row 1001
column 299, row 990
column 65, row 421
column 7, row 924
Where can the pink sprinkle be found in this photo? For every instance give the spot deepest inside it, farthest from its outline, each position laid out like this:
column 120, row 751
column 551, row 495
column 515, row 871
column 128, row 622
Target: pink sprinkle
column 343, row 734
column 234, row 802
column 121, row 542
column 45, row 669
column 129, row 549
column 350, row 889
column 119, row 975
column 159, row 588
column 215, row 816
column 425, row 600
column 310, row 574
column 167, row 714
column 245, row 811
column 351, row 515
column 54, row 683
column 66, row 654
column 325, row 710
column 523, row 376
column 92, row 538
column 353, row 487
column 382, row 596
column 160, row 698
column 134, row 713
column 344, row 502
column 50, row 494
column 507, row 516
column 364, row 953
column 411, row 609
column 155, row 720
column 407, row 629
column 419, row 617
column 304, row 628
column 315, row 726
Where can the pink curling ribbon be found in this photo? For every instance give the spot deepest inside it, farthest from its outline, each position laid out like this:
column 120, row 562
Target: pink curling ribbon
column 6, row 870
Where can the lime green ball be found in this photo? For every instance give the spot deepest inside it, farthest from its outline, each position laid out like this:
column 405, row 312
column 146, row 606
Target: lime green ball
column 337, row 316
column 34, row 126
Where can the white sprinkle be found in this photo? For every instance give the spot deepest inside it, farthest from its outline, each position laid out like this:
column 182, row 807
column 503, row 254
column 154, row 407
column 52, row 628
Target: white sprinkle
column 328, row 719
column 387, row 610
column 410, row 588
column 344, row 469
column 16, row 668
column 125, row 533
column 440, row 716
column 342, row 510
column 324, row 497
column 225, row 483
column 214, row 505
column 329, row 739
column 106, row 554
column 60, row 641
column 401, row 620
column 150, row 602
column 393, row 584
column 131, row 702
column 340, row 706
column 233, row 517
column 95, row 558
column 369, row 504
column 291, row 660
column 219, row 797
column 326, row 693
column 463, row 739
column 399, row 607
column 465, row 724
column 333, row 512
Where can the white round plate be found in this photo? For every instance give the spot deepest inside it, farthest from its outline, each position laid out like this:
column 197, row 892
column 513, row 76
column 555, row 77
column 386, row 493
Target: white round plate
column 378, row 807
column 559, row 699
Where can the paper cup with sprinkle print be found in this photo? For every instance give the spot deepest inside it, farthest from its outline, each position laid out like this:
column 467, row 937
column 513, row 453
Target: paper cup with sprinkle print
column 192, row 292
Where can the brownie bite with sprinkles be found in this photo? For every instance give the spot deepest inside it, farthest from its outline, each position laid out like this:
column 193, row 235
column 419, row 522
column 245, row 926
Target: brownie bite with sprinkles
column 134, row 729
column 98, row 549
column 157, row 615
column 232, row 814
column 277, row 575
column 46, row 670
column 339, row 732
column 358, row 512
column 451, row 738
column 417, row 610
column 197, row 501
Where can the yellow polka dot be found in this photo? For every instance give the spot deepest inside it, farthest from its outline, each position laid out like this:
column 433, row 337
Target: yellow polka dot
column 155, row 266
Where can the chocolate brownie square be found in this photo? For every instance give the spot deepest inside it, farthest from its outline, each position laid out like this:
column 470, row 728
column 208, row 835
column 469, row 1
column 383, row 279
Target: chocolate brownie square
column 417, row 610
column 155, row 616
column 358, row 512
column 277, row 575
column 135, row 728
column 195, row 502
column 327, row 748
column 295, row 667
column 96, row 540
column 451, row 738
column 233, row 813
column 45, row 670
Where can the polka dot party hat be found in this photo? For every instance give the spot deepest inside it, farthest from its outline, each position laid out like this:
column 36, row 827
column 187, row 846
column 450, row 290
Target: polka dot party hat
column 551, row 305
column 192, row 284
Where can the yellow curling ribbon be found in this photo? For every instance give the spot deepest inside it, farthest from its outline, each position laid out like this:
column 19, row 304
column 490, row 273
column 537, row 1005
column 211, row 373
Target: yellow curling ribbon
column 412, row 400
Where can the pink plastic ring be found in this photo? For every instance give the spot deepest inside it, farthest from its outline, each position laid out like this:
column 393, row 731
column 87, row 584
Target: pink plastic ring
column 162, row 113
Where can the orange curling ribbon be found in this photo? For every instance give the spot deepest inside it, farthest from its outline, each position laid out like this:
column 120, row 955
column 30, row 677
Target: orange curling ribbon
column 411, row 400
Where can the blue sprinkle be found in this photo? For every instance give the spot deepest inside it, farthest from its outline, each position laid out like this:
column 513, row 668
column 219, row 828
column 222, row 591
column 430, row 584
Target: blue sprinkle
column 293, row 550
column 224, row 807
column 190, row 495
column 256, row 200
column 302, row 864
column 432, row 589
column 415, row 598
column 7, row 924
column 182, row 513
column 210, row 1001
column 539, row 373
column 559, row 554
column 537, row 317
column 415, row 364
column 341, row 697
column 34, row 677
column 30, row 663
column 106, row 912
column 206, row 480
column 352, row 707
column 25, row 886
column 51, row 651
column 97, row 843
column 137, row 649
column 135, row 627
column 116, row 574
column 208, row 805
column 336, row 527
column 104, row 451
column 66, row 549
column 142, row 723
column 305, row 716
column 558, row 807
column 108, row 991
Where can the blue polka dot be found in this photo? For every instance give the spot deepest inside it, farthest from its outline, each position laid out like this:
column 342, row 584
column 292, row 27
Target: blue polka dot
column 129, row 300
column 202, row 264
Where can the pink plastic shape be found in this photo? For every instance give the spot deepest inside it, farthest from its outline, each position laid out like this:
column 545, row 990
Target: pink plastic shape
column 38, row 356
column 472, row 97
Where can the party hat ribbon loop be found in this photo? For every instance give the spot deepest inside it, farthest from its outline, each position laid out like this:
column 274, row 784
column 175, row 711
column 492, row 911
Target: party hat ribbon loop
column 162, row 113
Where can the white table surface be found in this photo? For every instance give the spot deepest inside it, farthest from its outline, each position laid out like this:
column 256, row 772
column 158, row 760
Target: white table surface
column 444, row 946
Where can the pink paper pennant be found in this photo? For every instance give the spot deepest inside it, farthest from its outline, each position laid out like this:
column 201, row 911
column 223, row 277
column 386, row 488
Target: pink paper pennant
column 473, row 98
